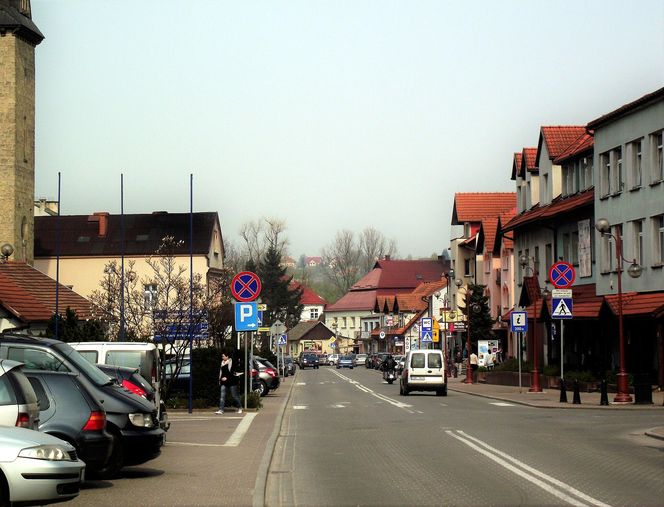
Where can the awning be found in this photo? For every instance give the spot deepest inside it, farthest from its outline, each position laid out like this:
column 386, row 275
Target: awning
column 650, row 304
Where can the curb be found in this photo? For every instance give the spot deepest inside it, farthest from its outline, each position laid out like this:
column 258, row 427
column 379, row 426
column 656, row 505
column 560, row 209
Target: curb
column 260, row 485
column 657, row 433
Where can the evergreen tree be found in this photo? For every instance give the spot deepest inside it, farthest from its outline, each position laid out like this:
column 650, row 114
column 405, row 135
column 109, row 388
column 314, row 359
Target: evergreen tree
column 476, row 309
column 71, row 329
column 282, row 303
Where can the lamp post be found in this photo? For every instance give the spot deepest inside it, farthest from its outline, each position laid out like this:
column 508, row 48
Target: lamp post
column 5, row 252
column 634, row 270
column 534, row 373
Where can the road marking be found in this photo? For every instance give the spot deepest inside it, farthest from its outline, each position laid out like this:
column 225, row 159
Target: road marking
column 529, row 473
column 382, row 397
column 192, row 444
column 501, row 404
column 301, row 384
column 242, row 428
column 338, row 406
column 202, row 418
column 299, row 407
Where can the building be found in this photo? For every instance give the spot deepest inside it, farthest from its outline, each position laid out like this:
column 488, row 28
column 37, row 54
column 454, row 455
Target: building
column 313, row 305
column 18, row 38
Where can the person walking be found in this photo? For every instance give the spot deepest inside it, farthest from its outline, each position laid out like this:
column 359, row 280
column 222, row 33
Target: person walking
column 227, row 380
column 458, row 360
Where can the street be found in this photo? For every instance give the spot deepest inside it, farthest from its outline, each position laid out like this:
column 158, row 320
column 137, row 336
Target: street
column 348, row 438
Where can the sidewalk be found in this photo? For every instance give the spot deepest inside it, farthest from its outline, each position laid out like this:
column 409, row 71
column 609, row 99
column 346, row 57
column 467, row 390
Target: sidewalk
column 550, row 398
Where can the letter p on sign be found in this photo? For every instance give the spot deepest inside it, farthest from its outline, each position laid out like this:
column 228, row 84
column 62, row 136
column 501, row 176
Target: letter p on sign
column 246, row 317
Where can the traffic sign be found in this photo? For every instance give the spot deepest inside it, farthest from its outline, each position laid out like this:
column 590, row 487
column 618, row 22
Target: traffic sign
column 382, row 334
column 426, row 336
column 245, row 286
column 562, row 275
column 426, row 332
column 282, row 340
column 519, row 322
column 246, row 317
column 562, row 308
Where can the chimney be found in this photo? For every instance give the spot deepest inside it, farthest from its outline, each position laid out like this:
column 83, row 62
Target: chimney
column 387, row 257
column 100, row 217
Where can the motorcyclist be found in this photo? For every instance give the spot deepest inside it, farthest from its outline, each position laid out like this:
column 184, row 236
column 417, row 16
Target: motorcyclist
column 389, row 364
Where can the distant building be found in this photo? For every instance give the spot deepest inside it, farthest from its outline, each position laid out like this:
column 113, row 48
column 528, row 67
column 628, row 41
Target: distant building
column 313, row 262
column 313, row 304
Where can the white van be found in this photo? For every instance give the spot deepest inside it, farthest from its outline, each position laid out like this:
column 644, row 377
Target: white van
column 424, row 370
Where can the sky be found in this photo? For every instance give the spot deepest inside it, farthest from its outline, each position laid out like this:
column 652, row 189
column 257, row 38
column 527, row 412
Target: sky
column 328, row 115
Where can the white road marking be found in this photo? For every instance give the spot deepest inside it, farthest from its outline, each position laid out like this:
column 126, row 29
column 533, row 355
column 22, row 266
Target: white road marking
column 382, row 397
column 529, row 473
column 202, row 418
column 501, row 404
column 242, row 428
column 192, row 444
column 301, row 384
column 338, row 406
column 299, row 407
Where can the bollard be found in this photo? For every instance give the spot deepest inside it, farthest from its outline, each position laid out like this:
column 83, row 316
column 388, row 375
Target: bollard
column 563, row 391
column 577, row 396
column 456, row 371
column 604, row 397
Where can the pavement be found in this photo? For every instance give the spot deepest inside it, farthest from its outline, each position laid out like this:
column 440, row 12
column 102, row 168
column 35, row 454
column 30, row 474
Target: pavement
column 550, row 398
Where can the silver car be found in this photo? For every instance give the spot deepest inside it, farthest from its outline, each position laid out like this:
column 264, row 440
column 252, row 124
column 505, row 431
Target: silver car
column 38, row 467
column 18, row 402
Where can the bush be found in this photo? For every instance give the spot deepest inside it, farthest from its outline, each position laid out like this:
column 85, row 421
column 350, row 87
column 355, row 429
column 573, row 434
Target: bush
column 551, row 370
column 581, row 376
column 253, row 401
column 513, row 365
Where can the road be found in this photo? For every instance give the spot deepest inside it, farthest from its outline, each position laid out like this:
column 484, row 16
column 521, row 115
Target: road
column 348, row 438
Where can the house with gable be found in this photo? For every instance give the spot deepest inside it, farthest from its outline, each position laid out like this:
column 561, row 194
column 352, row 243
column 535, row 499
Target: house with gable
column 354, row 315
column 313, row 305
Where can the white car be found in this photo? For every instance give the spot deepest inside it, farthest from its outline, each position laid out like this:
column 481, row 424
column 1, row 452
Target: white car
column 332, row 359
column 37, row 467
column 424, row 370
column 360, row 359
column 18, row 402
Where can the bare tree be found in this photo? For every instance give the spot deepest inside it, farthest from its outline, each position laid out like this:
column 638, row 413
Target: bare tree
column 374, row 246
column 260, row 235
column 342, row 259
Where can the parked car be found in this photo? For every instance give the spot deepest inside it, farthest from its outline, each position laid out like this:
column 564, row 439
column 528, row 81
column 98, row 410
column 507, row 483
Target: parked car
column 399, row 359
column 332, row 359
column 369, row 361
column 424, row 370
column 360, row 359
column 345, row 362
column 130, row 419
column 289, row 365
column 267, row 375
column 323, row 359
column 37, row 468
column 177, row 380
column 18, row 402
column 308, row 360
column 69, row 411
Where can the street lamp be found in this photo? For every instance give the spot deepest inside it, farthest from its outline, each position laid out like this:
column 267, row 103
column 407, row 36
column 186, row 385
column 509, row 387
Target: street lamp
column 534, row 373
column 5, row 252
column 634, row 270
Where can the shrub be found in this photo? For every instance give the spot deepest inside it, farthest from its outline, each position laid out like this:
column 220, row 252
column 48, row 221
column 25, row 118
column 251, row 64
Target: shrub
column 551, row 370
column 512, row 364
column 581, row 376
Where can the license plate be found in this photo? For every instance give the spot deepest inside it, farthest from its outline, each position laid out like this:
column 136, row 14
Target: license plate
column 416, row 378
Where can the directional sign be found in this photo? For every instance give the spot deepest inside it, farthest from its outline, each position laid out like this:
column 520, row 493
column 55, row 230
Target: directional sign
column 245, row 286
column 562, row 308
column 246, row 317
column 519, row 322
column 562, row 275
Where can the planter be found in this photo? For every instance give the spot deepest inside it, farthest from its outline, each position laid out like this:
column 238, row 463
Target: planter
column 511, row 378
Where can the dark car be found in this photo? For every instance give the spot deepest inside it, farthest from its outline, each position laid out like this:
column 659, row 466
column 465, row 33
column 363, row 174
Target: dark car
column 289, row 365
column 131, row 420
column 308, row 361
column 67, row 410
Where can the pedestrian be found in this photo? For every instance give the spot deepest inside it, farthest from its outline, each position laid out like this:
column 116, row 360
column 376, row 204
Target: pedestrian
column 499, row 354
column 458, row 360
column 488, row 360
column 227, row 380
column 473, row 361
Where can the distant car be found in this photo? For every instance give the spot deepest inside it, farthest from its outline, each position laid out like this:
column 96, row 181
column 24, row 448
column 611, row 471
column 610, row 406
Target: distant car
column 289, row 365
column 37, row 468
column 332, row 359
column 267, row 374
column 18, row 402
column 323, row 359
column 68, row 410
column 360, row 359
column 308, row 360
column 345, row 362
column 399, row 359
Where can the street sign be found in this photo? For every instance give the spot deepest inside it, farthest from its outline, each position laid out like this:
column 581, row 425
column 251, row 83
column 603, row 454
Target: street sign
column 245, row 286
column 381, row 334
column 246, row 317
column 262, row 307
column 562, row 275
column 562, row 308
column 519, row 322
column 426, row 333
column 282, row 340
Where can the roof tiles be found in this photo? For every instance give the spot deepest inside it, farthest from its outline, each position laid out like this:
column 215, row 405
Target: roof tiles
column 558, row 138
column 473, row 206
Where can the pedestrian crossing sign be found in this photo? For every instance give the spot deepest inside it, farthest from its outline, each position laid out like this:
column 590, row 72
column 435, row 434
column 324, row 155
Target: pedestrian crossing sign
column 562, row 308
column 426, row 336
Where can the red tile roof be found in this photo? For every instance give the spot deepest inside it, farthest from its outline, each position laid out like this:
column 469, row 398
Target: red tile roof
column 558, row 206
column 354, row 300
column 29, row 294
column 472, row 207
column 516, row 165
column 586, row 302
column 627, row 109
column 528, row 161
column 405, row 275
column 641, row 303
column 558, row 139
column 309, row 297
column 583, row 145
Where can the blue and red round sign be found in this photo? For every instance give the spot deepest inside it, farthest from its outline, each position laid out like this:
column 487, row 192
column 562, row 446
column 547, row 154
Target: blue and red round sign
column 245, row 286
column 562, row 275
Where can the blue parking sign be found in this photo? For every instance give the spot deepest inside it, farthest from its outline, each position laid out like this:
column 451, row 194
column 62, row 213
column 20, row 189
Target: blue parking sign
column 246, row 316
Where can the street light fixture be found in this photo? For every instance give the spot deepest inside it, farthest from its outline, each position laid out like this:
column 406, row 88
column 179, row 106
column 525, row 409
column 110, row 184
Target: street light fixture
column 6, row 251
column 534, row 373
column 634, row 270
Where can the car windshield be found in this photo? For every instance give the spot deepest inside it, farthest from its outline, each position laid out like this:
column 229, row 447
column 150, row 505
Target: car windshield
column 83, row 365
column 346, row 358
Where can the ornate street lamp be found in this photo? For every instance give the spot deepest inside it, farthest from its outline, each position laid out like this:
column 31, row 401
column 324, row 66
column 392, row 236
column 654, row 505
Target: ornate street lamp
column 6, row 251
column 534, row 373
column 634, row 270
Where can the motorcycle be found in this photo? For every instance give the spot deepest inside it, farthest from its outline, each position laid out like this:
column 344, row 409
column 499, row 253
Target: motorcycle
column 389, row 376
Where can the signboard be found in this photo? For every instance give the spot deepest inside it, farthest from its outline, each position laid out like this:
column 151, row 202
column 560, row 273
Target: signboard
column 282, row 340
column 519, row 322
column 426, row 332
column 246, row 317
column 561, row 308
column 436, row 331
column 381, row 334
column 562, row 275
column 245, row 286
column 173, row 325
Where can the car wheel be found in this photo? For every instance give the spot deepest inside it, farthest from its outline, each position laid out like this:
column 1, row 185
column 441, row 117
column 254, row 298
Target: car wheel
column 4, row 492
column 390, row 381
column 114, row 464
column 405, row 391
column 264, row 389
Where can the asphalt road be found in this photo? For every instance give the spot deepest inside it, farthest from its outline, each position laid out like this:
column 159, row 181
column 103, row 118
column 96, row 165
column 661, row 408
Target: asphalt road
column 348, row 438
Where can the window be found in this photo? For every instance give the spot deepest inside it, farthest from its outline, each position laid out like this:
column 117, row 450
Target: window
column 658, row 243
column 343, row 322
column 656, row 140
column 587, row 165
column 567, row 245
column 124, row 358
column 605, row 181
column 150, row 295
column 637, row 241
column 89, row 355
column 574, row 248
column 36, row 359
column 466, row 267
column 536, row 260
column 435, row 361
column 635, row 165
column 545, row 189
column 548, row 257
column 619, row 170
column 313, row 313
column 417, row 360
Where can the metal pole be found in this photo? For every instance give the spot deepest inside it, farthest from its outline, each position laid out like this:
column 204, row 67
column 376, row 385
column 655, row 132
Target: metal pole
column 57, row 264
column 246, row 370
column 562, row 351
column 622, row 396
column 122, row 249
column 520, row 338
column 534, row 374
column 191, row 291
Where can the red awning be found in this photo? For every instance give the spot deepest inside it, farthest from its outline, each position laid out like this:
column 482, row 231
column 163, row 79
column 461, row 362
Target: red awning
column 638, row 303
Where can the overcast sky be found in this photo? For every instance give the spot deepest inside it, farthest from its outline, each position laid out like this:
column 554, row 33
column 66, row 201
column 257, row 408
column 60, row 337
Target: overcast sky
column 327, row 114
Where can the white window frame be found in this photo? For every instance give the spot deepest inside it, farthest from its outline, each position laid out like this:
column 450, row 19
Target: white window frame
column 658, row 240
column 657, row 156
column 637, row 241
column 150, row 295
column 636, row 165
column 605, row 174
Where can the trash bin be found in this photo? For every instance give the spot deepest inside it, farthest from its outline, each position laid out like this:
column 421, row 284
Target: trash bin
column 642, row 389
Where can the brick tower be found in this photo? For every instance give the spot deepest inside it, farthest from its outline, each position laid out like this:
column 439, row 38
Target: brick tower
column 18, row 38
